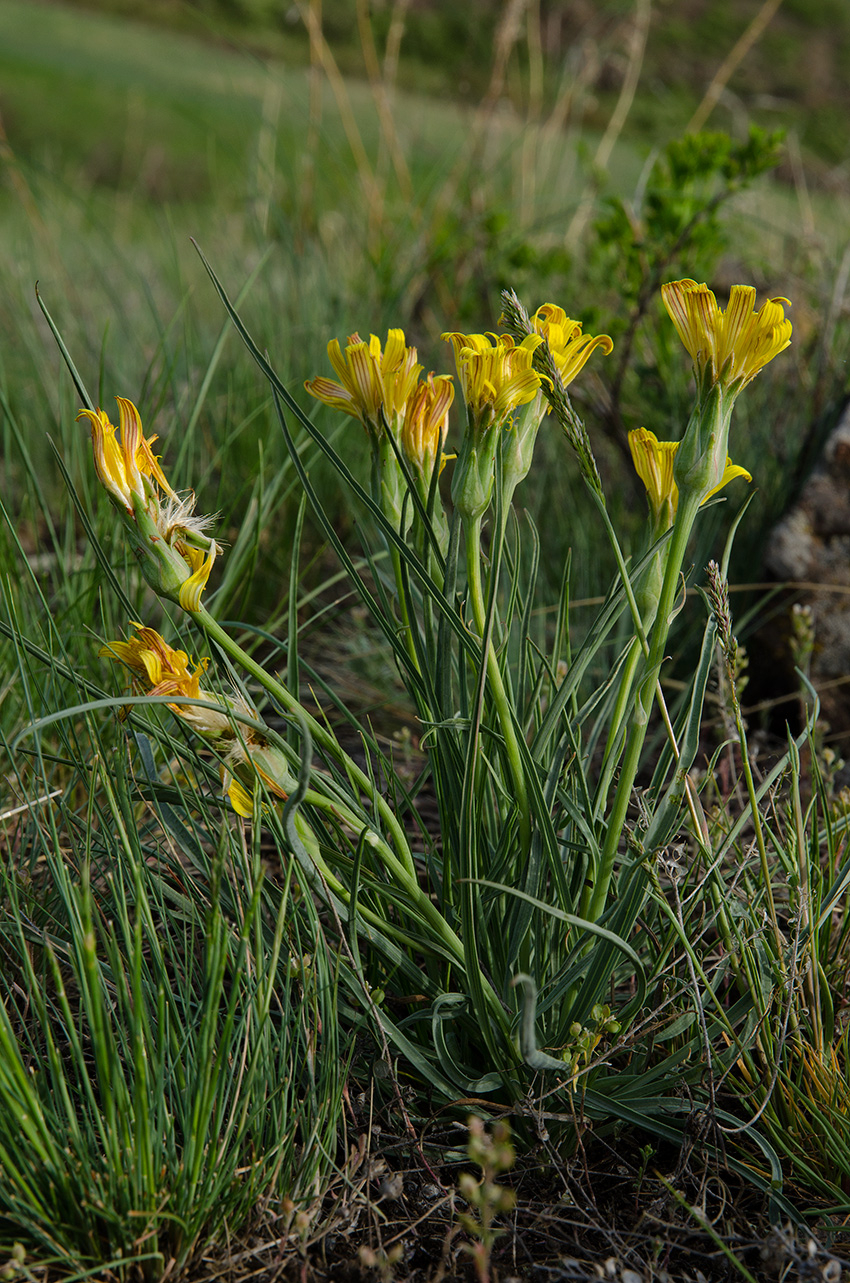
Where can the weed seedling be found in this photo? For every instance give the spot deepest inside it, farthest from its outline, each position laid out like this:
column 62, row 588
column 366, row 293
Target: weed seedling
column 494, row 1155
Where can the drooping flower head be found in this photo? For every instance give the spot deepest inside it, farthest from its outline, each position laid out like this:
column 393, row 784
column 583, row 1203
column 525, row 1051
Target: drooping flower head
column 654, row 460
column 426, row 423
column 496, row 374
column 569, row 347
column 727, row 347
column 175, row 552
column 247, row 755
column 162, row 670
column 372, row 381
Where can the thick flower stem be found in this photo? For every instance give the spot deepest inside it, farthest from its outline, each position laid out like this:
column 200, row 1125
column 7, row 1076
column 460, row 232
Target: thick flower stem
column 423, row 902
column 497, row 685
column 685, row 516
column 618, row 716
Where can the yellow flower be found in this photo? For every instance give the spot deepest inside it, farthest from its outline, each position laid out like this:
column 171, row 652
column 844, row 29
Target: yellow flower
column 189, row 596
column 371, row 380
column 496, row 375
column 123, row 467
column 426, row 423
column 653, row 460
column 151, row 659
column 728, row 347
column 162, row 670
column 569, row 347
column 175, row 552
column 248, row 756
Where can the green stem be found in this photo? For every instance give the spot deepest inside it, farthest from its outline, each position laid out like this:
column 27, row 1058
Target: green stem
column 593, row 903
column 618, row 716
column 399, row 863
column 422, row 902
column 409, row 643
column 320, row 734
column 622, row 569
column 757, row 826
column 497, row 685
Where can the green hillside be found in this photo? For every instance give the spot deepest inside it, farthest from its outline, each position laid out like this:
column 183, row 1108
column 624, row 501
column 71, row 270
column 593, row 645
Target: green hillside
column 796, row 74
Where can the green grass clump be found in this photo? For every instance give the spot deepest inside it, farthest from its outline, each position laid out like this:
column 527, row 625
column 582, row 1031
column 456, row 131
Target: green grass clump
column 169, row 1062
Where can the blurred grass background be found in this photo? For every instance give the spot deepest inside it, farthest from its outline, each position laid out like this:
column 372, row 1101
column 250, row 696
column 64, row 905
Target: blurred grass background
column 353, row 166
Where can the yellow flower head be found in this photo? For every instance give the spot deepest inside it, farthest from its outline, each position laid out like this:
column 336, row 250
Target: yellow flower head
column 569, row 347
column 175, row 552
column 200, row 565
column 728, row 347
column 123, row 466
column 370, row 380
column 426, row 423
column 162, row 670
column 653, row 460
column 496, row 375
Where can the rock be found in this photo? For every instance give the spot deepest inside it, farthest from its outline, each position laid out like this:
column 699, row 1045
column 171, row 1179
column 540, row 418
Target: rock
column 810, row 547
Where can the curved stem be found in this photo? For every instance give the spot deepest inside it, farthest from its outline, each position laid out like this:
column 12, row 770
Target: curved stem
column 399, row 863
column 422, row 901
column 407, row 626
column 618, row 716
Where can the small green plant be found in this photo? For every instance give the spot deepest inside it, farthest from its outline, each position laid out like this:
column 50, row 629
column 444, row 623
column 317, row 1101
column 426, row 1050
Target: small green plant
column 494, row 1155
column 523, row 909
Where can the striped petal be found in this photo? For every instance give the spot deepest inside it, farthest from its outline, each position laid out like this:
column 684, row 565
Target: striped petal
column 190, row 591
column 728, row 347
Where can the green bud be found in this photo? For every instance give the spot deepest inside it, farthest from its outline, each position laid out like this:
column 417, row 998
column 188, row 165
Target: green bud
column 472, row 483
column 703, row 451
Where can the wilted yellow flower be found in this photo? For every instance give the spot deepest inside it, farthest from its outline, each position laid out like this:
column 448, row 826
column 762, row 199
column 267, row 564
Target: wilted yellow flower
column 163, row 670
column 189, row 596
column 426, row 422
column 728, row 347
column 154, row 662
column 371, row 380
column 654, row 459
column 569, row 347
column 496, row 374
column 240, row 799
column 175, row 552
column 246, row 767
